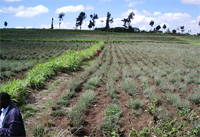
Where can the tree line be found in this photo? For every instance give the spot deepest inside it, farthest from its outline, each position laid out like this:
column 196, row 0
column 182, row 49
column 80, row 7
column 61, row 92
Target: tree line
column 126, row 22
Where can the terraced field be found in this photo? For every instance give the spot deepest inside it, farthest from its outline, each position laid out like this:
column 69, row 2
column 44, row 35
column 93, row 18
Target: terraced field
column 139, row 85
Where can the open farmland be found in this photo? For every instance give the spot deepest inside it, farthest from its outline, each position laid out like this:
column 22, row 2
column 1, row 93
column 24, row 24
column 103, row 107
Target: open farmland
column 139, row 85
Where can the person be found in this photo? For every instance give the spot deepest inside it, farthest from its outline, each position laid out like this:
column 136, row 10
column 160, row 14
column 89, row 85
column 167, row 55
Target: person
column 11, row 122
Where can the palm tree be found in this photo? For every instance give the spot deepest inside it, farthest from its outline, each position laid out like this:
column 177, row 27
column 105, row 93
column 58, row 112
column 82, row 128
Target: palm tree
column 60, row 16
column 151, row 24
column 79, row 20
column 108, row 20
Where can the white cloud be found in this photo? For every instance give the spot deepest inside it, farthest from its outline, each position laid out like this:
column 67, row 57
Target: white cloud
column 32, row 11
column 12, row 0
column 195, row 2
column 89, row 8
column 11, row 9
column 157, row 13
column 133, row 3
column 73, row 8
column 174, row 17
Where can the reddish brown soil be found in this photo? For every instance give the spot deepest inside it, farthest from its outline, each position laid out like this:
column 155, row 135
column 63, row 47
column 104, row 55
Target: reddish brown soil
column 95, row 115
column 43, row 100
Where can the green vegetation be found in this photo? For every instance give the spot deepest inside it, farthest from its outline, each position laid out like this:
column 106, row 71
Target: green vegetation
column 78, row 112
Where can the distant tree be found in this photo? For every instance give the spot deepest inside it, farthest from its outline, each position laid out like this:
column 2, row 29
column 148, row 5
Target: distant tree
column 127, row 21
column 5, row 24
column 158, row 28
column 60, row 16
column 52, row 23
column 151, row 24
column 92, row 21
column 108, row 20
column 79, row 20
column 182, row 29
column 164, row 26
column 174, row 31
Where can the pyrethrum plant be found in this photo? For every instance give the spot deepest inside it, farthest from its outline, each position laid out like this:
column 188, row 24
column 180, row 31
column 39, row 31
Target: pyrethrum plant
column 136, row 105
column 111, row 124
column 78, row 112
column 130, row 86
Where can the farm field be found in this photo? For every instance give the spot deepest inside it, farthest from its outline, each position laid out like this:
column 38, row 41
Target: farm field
column 139, row 85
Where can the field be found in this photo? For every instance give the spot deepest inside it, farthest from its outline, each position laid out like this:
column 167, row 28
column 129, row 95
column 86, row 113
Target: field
column 141, row 84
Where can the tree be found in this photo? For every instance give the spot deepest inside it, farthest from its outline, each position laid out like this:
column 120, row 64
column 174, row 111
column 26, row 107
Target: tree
column 151, row 24
column 174, row 31
column 108, row 20
column 79, row 20
column 158, row 28
column 5, row 24
column 164, row 26
column 92, row 21
column 182, row 29
column 60, row 16
column 52, row 23
column 127, row 21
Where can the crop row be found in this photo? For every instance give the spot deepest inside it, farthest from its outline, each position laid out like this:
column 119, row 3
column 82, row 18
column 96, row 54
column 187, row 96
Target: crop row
column 36, row 77
column 139, row 68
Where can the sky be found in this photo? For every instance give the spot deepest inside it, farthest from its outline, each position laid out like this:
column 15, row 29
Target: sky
column 39, row 13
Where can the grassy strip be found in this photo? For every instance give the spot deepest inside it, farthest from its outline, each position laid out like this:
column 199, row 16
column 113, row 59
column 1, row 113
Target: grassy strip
column 48, row 40
column 77, row 113
column 39, row 74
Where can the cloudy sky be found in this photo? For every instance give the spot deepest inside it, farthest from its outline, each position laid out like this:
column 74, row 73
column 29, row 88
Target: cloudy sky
column 38, row 13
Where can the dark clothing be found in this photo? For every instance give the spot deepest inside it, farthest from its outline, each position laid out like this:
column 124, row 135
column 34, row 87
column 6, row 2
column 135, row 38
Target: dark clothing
column 13, row 124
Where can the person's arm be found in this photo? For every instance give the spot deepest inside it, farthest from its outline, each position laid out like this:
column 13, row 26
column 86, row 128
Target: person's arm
column 14, row 129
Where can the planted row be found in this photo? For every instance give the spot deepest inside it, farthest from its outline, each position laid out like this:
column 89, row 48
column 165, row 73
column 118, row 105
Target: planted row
column 36, row 77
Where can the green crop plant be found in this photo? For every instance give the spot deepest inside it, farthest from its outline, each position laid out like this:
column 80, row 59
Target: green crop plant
column 137, row 106
column 176, row 101
column 78, row 112
column 111, row 88
column 130, row 86
column 42, row 72
column 17, row 89
column 111, row 123
column 195, row 97
column 145, row 82
column 93, row 83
